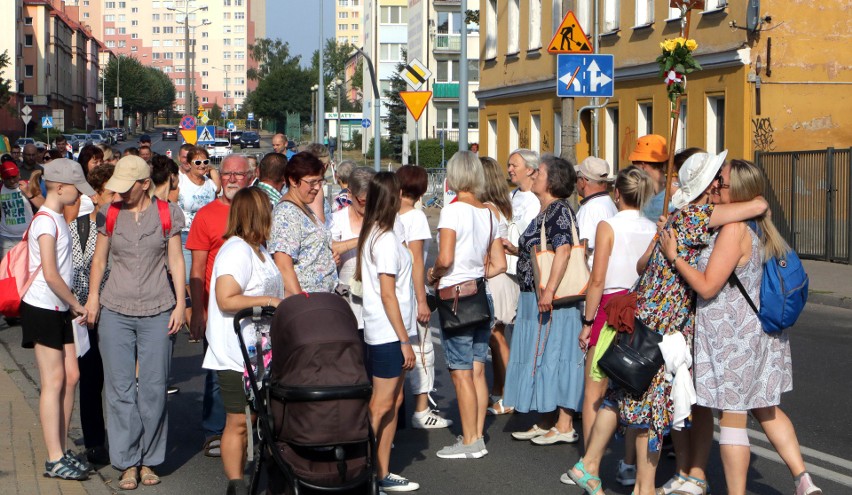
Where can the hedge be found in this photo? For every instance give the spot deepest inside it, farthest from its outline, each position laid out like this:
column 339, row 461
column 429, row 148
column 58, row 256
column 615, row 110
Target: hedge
column 430, row 152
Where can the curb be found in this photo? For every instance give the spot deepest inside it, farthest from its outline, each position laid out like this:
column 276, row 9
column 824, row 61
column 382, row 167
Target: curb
column 830, row 299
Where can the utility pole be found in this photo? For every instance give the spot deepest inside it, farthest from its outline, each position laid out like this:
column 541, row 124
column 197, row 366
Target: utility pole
column 186, row 107
column 463, row 79
column 321, row 90
column 569, row 144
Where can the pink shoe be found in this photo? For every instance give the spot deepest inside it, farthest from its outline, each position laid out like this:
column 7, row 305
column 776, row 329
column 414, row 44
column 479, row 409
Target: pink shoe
column 805, row 486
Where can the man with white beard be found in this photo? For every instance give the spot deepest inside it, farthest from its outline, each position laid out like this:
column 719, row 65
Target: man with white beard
column 204, row 240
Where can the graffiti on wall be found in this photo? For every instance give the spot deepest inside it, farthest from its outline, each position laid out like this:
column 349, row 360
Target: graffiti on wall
column 627, row 144
column 524, row 139
column 763, row 134
column 545, row 142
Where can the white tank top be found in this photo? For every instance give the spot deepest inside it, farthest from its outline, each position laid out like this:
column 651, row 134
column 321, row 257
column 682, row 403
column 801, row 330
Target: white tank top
column 632, row 234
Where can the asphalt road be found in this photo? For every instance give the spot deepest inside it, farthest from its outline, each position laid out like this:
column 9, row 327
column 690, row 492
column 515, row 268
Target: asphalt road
column 160, row 146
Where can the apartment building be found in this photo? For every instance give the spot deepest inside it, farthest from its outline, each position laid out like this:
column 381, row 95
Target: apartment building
column 434, row 37
column 54, row 65
column 385, row 40
column 348, row 19
column 155, row 32
column 795, row 51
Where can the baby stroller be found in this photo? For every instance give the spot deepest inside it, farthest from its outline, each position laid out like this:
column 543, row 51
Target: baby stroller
column 312, row 410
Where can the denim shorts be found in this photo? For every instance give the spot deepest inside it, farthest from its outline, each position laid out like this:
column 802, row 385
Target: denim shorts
column 187, row 254
column 464, row 346
column 384, row 360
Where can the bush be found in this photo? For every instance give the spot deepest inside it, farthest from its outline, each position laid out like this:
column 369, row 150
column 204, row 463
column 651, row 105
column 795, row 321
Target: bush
column 387, row 149
column 430, row 152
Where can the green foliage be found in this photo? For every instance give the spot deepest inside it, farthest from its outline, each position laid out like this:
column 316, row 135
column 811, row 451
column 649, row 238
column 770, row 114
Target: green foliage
column 284, row 89
column 215, row 112
column 5, row 84
column 471, row 17
column 269, row 54
column 386, row 149
column 357, row 80
column 397, row 112
column 430, row 152
column 143, row 89
column 335, row 56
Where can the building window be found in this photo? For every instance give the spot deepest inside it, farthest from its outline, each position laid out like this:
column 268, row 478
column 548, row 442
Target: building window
column 226, row 42
column 680, row 141
column 109, row 5
column 155, row 17
column 134, row 10
column 28, row 40
column 341, row 27
column 644, row 12
column 491, row 30
column 715, row 124
column 239, row 15
column 168, row 30
column 514, row 132
column 354, row 26
column 85, row 15
column 343, row 3
column 109, row 32
column 28, row 71
column 514, row 19
column 240, row 55
column 674, row 13
column 442, row 118
column 611, row 136
column 28, row 21
column 712, row 5
column 394, row 15
column 344, row 15
column 644, row 122
column 204, row 86
column 134, row 23
column 611, row 11
column 535, row 132
column 134, row 36
column 534, row 38
column 390, row 52
column 204, row 100
column 492, row 137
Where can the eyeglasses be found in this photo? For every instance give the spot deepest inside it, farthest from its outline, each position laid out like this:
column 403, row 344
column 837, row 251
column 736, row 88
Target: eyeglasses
column 315, row 183
column 722, row 184
column 238, row 175
column 199, row 163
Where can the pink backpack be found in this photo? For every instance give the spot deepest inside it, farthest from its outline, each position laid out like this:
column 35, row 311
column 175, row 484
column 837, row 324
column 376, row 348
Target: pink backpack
column 15, row 278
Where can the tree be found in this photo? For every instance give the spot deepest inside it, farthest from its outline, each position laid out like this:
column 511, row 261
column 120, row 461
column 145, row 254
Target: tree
column 269, row 54
column 215, row 111
column 284, row 89
column 335, row 57
column 397, row 117
column 143, row 89
column 5, row 84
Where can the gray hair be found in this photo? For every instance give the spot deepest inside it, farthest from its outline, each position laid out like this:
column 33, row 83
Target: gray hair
column 531, row 158
column 319, row 150
column 344, row 170
column 464, row 172
column 359, row 181
column 236, row 157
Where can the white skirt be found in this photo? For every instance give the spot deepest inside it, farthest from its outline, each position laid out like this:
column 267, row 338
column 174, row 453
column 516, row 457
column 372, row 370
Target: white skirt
column 504, row 291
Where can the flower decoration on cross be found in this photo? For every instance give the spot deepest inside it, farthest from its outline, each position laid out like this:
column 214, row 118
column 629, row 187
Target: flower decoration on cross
column 675, row 63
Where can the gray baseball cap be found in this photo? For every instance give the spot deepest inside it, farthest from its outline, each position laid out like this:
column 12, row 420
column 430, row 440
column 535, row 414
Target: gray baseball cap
column 66, row 171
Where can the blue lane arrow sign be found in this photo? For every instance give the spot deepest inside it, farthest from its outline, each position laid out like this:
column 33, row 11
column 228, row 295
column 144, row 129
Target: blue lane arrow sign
column 585, row 75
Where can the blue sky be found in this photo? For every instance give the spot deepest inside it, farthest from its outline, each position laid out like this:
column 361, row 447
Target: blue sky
column 297, row 22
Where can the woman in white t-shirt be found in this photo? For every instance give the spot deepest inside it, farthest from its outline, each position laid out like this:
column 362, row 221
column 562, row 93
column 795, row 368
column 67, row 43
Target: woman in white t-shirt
column 523, row 164
column 244, row 275
column 465, row 241
column 195, row 190
column 390, row 316
column 345, row 228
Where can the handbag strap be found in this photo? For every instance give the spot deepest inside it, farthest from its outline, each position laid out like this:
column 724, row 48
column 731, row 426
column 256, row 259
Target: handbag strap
column 538, row 341
column 490, row 241
column 735, row 280
column 574, row 233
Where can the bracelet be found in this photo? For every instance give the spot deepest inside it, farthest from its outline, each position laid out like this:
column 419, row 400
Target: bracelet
column 407, row 342
column 587, row 322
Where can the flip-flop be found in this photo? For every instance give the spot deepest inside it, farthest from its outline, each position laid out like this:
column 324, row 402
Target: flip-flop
column 583, row 481
column 497, row 409
column 127, row 480
column 213, row 446
column 148, row 476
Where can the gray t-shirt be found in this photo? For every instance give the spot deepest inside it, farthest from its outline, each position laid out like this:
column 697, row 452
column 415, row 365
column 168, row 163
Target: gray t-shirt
column 138, row 282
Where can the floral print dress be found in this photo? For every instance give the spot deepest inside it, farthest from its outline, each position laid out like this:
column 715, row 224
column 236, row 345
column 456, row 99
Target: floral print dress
column 308, row 242
column 665, row 303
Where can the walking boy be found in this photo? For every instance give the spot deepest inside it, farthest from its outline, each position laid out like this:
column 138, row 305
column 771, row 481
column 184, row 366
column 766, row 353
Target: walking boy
column 46, row 312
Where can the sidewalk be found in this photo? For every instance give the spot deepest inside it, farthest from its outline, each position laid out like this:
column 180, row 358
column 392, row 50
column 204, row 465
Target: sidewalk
column 830, row 283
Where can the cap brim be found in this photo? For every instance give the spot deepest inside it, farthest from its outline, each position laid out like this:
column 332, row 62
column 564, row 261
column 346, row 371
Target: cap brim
column 119, row 185
column 85, row 188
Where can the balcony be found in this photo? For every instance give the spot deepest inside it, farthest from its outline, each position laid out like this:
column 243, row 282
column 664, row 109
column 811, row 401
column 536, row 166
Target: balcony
column 447, row 43
column 444, row 91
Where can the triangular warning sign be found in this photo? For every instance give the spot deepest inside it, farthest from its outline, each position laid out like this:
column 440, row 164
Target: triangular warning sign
column 415, row 101
column 569, row 37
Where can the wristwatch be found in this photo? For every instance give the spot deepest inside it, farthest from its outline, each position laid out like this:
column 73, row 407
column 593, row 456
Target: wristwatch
column 588, row 322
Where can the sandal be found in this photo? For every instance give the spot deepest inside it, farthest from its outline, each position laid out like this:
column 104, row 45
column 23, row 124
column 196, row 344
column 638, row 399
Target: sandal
column 127, row 480
column 692, row 486
column 497, row 409
column 671, row 485
column 583, row 481
column 148, row 476
column 213, row 446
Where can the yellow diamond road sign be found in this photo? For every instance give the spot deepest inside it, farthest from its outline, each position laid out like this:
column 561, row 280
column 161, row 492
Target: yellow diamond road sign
column 416, row 74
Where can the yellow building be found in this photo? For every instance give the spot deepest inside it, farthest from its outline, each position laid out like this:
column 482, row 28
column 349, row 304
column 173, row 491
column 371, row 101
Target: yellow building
column 798, row 52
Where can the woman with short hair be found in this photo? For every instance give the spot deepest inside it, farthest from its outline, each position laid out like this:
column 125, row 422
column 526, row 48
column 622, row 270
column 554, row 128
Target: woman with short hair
column 467, row 233
column 300, row 242
column 244, row 276
column 342, row 173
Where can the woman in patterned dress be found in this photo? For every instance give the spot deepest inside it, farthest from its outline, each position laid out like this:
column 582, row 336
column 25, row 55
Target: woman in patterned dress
column 737, row 366
column 664, row 303
column 300, row 242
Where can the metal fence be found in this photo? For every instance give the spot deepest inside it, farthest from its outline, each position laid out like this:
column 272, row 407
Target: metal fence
column 436, row 181
column 810, row 196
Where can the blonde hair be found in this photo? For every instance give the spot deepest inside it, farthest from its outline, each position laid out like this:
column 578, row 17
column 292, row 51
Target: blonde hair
column 250, row 218
column 464, row 173
column 635, row 186
column 747, row 182
column 494, row 188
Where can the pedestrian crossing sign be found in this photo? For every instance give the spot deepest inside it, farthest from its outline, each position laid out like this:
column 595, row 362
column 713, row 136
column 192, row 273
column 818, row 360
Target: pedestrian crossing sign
column 570, row 37
column 206, row 135
column 47, row 122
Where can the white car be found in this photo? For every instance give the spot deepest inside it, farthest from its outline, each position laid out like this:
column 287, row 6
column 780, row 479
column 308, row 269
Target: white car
column 219, row 149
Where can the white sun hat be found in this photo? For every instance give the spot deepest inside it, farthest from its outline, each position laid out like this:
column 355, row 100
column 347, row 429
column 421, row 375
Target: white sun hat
column 696, row 174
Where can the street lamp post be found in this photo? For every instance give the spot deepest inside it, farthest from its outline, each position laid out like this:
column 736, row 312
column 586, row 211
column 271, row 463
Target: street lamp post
column 227, row 93
column 186, row 11
column 314, row 89
column 337, row 84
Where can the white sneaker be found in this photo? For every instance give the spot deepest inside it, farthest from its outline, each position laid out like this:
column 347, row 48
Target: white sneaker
column 429, row 421
column 626, row 474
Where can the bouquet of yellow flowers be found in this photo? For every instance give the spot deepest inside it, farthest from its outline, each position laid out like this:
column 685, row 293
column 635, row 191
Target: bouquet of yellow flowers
column 675, row 63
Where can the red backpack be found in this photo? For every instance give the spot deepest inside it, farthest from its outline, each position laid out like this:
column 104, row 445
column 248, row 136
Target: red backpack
column 162, row 208
column 15, row 276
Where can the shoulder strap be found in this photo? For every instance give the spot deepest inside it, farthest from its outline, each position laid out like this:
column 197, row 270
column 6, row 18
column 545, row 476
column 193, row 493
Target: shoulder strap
column 111, row 217
column 165, row 217
column 39, row 214
column 735, row 280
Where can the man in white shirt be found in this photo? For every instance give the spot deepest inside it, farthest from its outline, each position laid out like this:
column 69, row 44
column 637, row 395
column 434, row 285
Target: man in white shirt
column 593, row 180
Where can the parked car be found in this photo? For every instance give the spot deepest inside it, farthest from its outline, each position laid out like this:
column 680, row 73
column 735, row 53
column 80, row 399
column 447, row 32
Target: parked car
column 221, row 132
column 170, row 134
column 95, row 139
column 249, row 139
column 104, row 135
column 79, row 141
column 219, row 149
column 234, row 136
column 120, row 133
column 113, row 135
column 24, row 141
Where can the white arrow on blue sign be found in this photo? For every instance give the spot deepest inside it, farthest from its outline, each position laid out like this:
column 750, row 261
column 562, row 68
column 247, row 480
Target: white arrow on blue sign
column 585, row 75
column 231, row 126
column 251, row 116
column 47, row 122
column 365, row 123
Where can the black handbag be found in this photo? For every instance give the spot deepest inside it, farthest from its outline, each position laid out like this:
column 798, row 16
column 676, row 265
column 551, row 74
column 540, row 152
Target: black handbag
column 463, row 305
column 633, row 361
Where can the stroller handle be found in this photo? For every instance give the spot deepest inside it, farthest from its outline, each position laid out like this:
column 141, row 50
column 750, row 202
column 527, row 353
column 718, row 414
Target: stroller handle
column 256, row 312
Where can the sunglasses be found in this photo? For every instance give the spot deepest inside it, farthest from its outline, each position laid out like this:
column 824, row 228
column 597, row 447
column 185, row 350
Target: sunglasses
column 199, row 163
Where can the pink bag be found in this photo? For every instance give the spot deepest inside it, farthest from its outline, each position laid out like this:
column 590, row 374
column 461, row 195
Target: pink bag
column 15, row 279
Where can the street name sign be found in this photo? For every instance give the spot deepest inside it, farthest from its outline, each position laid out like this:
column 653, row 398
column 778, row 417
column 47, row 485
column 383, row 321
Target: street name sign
column 585, row 75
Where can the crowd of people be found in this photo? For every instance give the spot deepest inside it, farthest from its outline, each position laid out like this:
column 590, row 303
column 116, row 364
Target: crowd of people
column 200, row 243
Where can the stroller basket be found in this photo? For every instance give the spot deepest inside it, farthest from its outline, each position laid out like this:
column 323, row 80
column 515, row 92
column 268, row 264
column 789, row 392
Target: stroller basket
column 313, row 410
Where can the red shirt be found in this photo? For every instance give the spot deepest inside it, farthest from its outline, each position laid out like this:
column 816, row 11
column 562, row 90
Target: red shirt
column 206, row 233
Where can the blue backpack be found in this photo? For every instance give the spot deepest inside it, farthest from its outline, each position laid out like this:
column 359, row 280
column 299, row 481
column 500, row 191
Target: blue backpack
column 783, row 291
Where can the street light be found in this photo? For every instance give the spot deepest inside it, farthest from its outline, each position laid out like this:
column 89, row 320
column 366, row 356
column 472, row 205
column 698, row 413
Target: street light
column 186, row 12
column 314, row 122
column 228, row 111
column 336, row 85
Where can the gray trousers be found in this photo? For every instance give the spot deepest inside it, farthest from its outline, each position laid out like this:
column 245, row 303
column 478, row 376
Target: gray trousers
column 137, row 417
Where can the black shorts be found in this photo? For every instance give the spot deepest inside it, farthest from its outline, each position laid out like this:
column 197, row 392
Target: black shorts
column 232, row 389
column 47, row 327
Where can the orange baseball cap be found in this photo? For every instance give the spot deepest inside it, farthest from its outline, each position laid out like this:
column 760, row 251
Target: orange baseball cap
column 650, row 148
